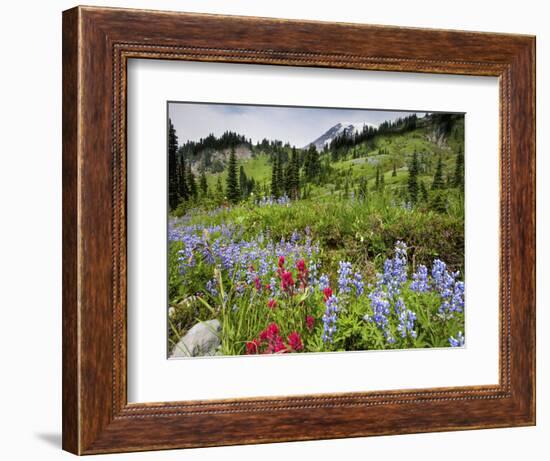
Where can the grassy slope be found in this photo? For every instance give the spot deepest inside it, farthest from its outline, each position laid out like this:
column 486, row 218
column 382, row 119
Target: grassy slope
column 257, row 167
column 399, row 148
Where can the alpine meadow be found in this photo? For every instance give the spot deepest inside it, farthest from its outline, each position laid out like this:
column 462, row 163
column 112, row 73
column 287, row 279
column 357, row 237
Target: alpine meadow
column 291, row 230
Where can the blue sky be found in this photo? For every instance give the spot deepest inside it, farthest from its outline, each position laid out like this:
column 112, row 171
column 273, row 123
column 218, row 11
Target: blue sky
column 297, row 125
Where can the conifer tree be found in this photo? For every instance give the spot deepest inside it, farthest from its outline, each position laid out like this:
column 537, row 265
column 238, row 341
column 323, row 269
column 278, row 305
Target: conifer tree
column 313, row 163
column 382, row 182
column 243, row 182
column 173, row 190
column 232, row 183
column 394, row 172
column 191, row 184
column 423, row 192
column 219, row 189
column 439, row 202
column 293, row 176
column 459, row 170
column 274, row 178
column 438, row 183
column 377, row 180
column 203, row 183
column 280, row 175
column 288, row 179
column 413, row 178
column 183, row 186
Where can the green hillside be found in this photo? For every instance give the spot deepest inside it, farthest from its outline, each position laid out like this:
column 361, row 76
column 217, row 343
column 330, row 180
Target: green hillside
column 259, row 232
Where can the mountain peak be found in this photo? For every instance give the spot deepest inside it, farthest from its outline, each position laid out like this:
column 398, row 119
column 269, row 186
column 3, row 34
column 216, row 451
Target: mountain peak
column 338, row 129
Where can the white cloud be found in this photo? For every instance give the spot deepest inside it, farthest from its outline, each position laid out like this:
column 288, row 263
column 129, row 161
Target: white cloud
column 297, row 125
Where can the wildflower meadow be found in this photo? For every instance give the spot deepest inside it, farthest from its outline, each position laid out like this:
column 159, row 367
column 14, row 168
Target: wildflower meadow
column 365, row 254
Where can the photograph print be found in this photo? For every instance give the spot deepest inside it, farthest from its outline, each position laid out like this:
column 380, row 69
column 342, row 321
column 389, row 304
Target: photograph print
column 309, row 229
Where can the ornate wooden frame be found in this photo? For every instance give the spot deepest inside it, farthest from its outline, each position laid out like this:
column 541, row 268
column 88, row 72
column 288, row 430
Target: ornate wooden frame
column 97, row 43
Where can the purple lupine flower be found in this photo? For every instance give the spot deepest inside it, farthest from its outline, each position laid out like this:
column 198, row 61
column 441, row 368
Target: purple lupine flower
column 395, row 271
column 458, row 341
column 399, row 306
column 329, row 319
column 358, row 283
column 324, row 282
column 312, row 274
column 263, row 266
column 406, row 323
column 270, row 201
column 450, row 289
column 211, row 287
column 344, row 273
column 457, row 300
column 420, row 280
column 380, row 307
column 251, row 275
column 441, row 277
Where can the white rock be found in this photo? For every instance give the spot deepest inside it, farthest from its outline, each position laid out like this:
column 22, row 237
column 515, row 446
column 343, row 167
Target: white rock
column 201, row 340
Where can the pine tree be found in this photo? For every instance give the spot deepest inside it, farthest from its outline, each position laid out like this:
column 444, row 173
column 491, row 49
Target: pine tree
column 377, row 181
column 382, row 182
column 296, row 174
column 413, row 178
column 219, row 189
column 459, row 170
column 274, row 178
column 423, row 192
column 280, row 175
column 307, row 164
column 191, row 184
column 313, row 163
column 394, row 172
column 203, row 183
column 438, row 183
column 288, row 179
column 243, row 182
column 173, row 192
column 232, row 184
column 183, row 187
column 293, row 176
column 439, row 202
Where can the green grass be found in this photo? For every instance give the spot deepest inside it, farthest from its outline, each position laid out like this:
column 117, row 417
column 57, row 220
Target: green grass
column 257, row 167
column 362, row 232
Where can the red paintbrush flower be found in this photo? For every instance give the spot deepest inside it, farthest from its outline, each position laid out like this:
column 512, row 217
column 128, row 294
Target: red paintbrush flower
column 310, row 322
column 301, row 265
column 281, row 262
column 302, row 273
column 295, row 341
column 258, row 284
column 327, row 292
column 287, row 281
column 252, row 347
column 272, row 304
column 277, row 345
column 272, row 330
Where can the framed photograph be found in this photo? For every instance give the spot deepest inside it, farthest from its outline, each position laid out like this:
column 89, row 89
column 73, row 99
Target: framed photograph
column 282, row 230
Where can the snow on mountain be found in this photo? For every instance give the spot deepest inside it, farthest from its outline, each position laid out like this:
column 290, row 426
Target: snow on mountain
column 340, row 128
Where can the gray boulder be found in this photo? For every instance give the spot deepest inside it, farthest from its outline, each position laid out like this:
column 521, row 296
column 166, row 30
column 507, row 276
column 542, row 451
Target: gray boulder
column 201, row 340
